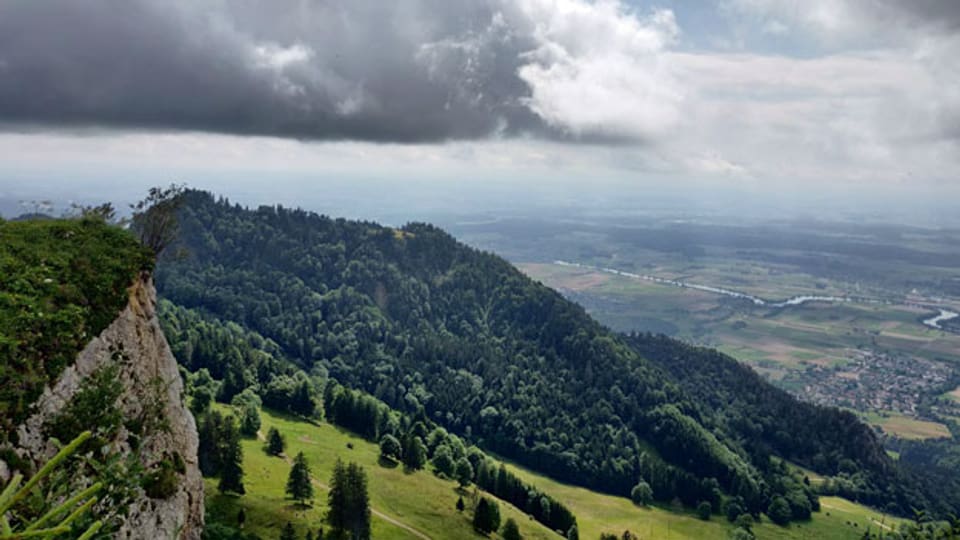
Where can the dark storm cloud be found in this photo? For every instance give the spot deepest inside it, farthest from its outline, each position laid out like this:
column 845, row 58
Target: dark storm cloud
column 407, row 71
column 940, row 13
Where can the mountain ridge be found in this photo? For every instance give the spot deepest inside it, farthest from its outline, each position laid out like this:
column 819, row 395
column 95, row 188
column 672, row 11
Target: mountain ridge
column 437, row 328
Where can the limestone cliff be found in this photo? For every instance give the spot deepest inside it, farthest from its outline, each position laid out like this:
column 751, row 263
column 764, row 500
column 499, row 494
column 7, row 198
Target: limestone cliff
column 151, row 387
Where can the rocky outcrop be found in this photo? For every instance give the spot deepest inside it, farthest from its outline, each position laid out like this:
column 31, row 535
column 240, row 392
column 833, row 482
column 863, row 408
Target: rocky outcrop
column 152, row 389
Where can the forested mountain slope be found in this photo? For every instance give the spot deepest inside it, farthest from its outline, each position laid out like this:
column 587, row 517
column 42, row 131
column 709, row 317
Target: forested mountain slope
column 435, row 328
column 743, row 407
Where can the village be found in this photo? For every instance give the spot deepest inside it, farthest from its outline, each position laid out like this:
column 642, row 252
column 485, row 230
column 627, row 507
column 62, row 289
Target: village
column 875, row 382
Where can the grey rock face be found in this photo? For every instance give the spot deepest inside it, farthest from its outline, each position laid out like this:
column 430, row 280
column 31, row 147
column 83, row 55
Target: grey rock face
column 151, row 381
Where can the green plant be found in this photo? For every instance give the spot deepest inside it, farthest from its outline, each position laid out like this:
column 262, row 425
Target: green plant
column 162, row 481
column 61, row 283
column 94, row 404
column 52, row 523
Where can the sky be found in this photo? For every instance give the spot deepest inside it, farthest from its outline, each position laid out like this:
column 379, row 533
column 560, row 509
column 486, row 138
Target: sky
column 285, row 98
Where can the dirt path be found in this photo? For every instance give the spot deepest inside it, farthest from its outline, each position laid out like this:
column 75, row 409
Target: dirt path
column 392, row 520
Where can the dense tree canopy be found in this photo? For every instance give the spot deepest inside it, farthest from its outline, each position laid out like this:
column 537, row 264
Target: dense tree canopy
column 434, row 328
column 448, row 334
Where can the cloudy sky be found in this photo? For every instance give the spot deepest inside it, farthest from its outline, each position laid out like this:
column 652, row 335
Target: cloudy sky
column 792, row 94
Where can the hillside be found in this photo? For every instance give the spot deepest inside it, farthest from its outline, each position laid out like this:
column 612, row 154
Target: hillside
column 743, row 406
column 434, row 328
column 406, row 504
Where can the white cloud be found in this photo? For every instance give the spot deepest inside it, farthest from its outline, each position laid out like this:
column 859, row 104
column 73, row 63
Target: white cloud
column 598, row 69
column 775, row 28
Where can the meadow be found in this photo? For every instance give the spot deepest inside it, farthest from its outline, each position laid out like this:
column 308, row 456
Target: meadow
column 420, row 505
column 404, row 505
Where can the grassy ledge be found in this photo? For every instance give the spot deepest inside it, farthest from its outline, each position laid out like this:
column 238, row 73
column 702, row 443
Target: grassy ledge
column 61, row 283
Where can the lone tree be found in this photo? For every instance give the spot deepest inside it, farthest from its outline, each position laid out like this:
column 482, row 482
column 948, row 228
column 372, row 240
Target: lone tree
column 641, row 494
column 275, row 442
column 299, row 485
column 460, row 505
column 511, row 531
column 349, row 502
column 390, row 447
column 231, row 459
column 464, row 472
column 486, row 517
column 250, row 421
column 155, row 217
column 288, row 532
column 704, row 509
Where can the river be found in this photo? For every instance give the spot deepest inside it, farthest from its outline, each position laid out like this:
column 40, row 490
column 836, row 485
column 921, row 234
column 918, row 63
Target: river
column 944, row 315
column 794, row 301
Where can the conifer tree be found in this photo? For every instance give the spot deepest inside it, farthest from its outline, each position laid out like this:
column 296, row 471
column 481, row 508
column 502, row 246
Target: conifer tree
column 511, row 531
column 486, row 517
column 349, row 502
column 275, row 442
column 231, row 459
column 299, row 485
column 288, row 532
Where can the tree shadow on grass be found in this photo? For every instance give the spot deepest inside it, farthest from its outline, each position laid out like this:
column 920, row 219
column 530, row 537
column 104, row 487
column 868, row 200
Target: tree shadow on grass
column 297, row 507
column 387, row 463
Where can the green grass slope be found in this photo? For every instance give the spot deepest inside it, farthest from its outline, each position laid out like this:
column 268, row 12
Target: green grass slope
column 839, row 518
column 404, row 505
column 419, row 505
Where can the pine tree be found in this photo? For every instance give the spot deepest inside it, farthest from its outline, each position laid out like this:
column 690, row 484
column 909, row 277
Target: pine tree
column 275, row 442
column 299, row 485
column 460, row 505
column 349, row 502
column 250, row 421
column 209, row 430
column 511, row 531
column 302, row 402
column 486, row 517
column 231, row 459
column 360, row 503
column 337, row 499
column 288, row 532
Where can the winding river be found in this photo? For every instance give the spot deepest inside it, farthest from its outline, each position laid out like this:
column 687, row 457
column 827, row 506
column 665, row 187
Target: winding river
column 944, row 315
column 794, row 301
column 932, row 322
